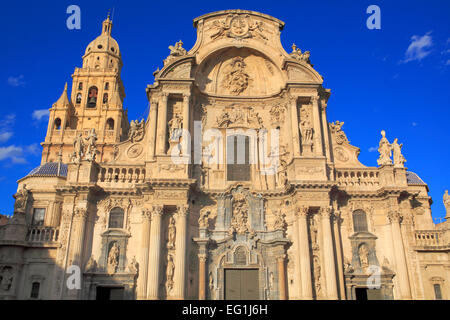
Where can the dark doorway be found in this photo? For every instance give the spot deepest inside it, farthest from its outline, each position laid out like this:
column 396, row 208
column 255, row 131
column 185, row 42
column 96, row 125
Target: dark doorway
column 241, row 284
column 364, row 294
column 109, row 293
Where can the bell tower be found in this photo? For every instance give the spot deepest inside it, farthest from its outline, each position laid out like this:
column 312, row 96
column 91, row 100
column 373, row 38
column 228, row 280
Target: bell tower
column 96, row 102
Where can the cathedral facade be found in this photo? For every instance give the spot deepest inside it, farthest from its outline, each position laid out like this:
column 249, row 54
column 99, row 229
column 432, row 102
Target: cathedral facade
column 236, row 186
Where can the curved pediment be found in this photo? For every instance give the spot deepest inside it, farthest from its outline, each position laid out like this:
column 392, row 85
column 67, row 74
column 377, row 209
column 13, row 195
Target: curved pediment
column 302, row 72
column 239, row 72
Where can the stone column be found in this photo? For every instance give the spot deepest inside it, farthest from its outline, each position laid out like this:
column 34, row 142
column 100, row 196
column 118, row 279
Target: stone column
column 152, row 137
column 155, row 253
column 340, row 262
column 202, row 277
column 399, row 252
column 186, row 125
column 330, row 267
column 281, row 276
column 295, row 128
column 162, row 124
column 145, row 242
column 317, row 128
column 305, row 260
column 297, row 274
column 323, row 108
column 180, row 252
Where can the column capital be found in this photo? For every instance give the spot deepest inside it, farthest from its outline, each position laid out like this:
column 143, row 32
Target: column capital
column 157, row 210
column 202, row 257
column 164, row 95
column 186, row 97
column 146, row 214
column 281, row 257
column 80, row 213
column 314, row 99
column 326, row 212
column 182, row 210
column 302, row 211
column 394, row 216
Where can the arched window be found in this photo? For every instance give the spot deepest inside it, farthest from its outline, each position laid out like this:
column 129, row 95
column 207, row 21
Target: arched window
column 110, row 124
column 80, row 86
column 238, row 158
column 35, row 286
column 116, row 218
column 92, row 100
column 57, row 123
column 105, row 98
column 107, row 86
column 78, row 98
column 359, row 221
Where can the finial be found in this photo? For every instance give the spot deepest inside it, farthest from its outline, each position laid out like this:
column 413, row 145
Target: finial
column 65, row 87
column 294, row 47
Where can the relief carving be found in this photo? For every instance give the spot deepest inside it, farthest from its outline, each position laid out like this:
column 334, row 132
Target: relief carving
column 236, row 116
column 339, row 134
column 176, row 51
column 238, row 27
column 237, row 79
column 136, row 132
column 113, row 259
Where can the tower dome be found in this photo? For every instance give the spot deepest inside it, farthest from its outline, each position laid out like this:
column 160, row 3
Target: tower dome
column 104, row 50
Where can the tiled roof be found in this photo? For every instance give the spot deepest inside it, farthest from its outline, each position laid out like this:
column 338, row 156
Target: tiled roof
column 413, row 178
column 50, row 169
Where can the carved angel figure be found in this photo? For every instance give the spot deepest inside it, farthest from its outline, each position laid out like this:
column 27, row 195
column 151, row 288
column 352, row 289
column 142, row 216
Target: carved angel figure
column 203, row 219
column 385, row 150
column 91, row 149
column 133, row 267
column 136, row 131
column 399, row 159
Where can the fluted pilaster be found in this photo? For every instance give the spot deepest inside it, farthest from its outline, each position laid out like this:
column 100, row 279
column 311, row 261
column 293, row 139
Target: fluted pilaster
column 180, row 252
column 155, row 253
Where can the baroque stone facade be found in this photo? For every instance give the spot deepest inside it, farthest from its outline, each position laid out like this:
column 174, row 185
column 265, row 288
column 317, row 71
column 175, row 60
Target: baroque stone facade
column 235, row 187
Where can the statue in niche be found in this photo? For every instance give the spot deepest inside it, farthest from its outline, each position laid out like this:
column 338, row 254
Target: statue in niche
column 78, row 147
column 6, row 279
column 169, row 273
column 113, row 259
column 175, row 127
column 237, row 80
column 446, row 200
column 133, row 266
column 203, row 219
column 91, row 148
column 21, row 197
column 306, row 128
column 314, row 233
column 239, row 221
column 282, row 174
column 171, row 234
column 91, row 265
column 136, row 132
column 385, row 150
column 399, row 159
column 363, row 252
column 211, row 282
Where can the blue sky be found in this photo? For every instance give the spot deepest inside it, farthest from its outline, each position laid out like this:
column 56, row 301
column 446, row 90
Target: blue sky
column 396, row 78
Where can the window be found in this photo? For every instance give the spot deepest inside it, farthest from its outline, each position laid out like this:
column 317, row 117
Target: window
column 110, row 124
column 80, row 86
column 38, row 217
column 437, row 291
column 116, row 218
column 238, row 156
column 105, row 98
column 57, row 123
column 359, row 221
column 92, row 99
column 78, row 100
column 35, row 286
column 107, row 86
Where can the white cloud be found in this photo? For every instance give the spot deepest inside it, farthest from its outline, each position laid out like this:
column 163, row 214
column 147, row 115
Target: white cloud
column 33, row 149
column 13, row 153
column 4, row 136
column 447, row 63
column 39, row 114
column 417, row 50
column 373, row 149
column 16, row 81
column 414, row 124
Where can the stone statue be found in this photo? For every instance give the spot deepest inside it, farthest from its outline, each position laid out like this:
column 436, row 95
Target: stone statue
column 279, row 222
column 21, row 197
column 175, row 127
column 133, row 266
column 176, row 51
column 336, row 129
column 91, row 149
column 136, row 132
column 271, row 280
column 446, row 200
column 317, row 285
column 6, row 279
column 348, row 268
column 298, row 55
column 385, row 150
column 91, row 265
column 399, row 159
column 113, row 258
column 171, row 233
column 211, row 282
column 306, row 129
column 170, row 273
column 363, row 256
column 203, row 219
column 237, row 79
column 78, row 147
